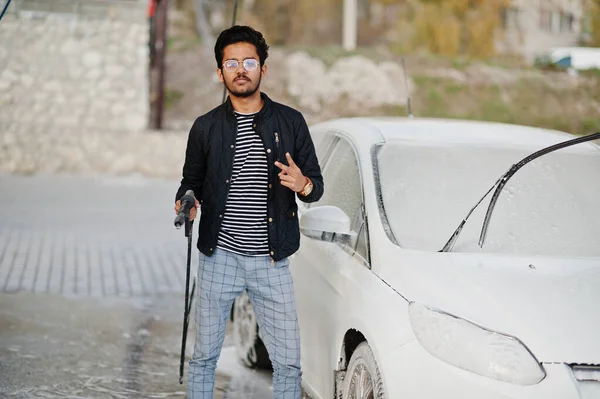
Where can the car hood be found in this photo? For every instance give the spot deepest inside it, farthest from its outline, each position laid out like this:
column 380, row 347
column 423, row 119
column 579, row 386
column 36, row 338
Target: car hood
column 552, row 305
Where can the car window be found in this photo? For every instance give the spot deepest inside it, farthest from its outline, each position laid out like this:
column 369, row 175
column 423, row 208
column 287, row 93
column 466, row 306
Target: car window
column 324, row 146
column 362, row 244
column 549, row 208
column 324, row 143
column 343, row 189
column 342, row 179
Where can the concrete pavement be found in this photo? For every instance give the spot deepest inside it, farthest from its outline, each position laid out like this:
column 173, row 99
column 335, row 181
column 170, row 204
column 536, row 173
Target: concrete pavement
column 91, row 292
column 93, row 236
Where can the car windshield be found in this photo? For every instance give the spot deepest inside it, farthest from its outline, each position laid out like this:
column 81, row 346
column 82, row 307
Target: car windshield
column 550, row 206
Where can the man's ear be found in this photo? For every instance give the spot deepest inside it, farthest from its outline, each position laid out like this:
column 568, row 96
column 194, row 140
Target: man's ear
column 263, row 71
column 220, row 75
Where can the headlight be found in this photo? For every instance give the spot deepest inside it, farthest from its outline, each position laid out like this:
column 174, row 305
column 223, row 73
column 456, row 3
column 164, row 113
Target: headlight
column 472, row 348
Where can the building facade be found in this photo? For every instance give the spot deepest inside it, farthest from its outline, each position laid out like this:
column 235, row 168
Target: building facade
column 532, row 27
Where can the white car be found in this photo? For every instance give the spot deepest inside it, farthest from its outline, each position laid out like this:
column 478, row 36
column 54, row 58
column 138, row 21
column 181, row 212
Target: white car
column 399, row 297
column 575, row 58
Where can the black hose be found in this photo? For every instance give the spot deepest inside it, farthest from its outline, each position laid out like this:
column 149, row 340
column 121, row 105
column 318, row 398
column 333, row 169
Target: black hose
column 6, row 7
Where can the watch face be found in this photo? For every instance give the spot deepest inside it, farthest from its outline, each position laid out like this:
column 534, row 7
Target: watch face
column 307, row 190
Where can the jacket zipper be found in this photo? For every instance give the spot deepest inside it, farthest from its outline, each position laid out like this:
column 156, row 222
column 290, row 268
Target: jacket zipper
column 277, row 145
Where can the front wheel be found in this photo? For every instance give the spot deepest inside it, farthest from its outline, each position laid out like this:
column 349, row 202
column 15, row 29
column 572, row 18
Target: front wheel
column 362, row 379
column 250, row 348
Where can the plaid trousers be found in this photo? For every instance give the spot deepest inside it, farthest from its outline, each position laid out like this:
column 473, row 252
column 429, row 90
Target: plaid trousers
column 221, row 278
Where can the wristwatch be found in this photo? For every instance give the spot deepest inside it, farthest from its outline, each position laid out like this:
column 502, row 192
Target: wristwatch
column 307, row 189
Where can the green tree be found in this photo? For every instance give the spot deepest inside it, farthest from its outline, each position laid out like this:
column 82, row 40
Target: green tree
column 592, row 10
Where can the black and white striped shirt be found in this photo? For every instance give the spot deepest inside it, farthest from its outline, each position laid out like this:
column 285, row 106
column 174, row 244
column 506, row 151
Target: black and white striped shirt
column 244, row 227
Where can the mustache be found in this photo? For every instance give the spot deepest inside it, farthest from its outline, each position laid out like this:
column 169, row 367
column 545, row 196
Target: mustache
column 241, row 77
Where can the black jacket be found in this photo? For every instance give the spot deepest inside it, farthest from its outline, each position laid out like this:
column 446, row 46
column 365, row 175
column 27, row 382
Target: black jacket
column 208, row 167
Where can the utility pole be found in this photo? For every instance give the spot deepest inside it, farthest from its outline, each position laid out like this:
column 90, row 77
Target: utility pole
column 158, row 47
column 349, row 36
column 202, row 25
column 235, row 8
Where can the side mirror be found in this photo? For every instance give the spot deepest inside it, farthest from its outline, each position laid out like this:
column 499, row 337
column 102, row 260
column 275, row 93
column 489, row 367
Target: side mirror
column 327, row 223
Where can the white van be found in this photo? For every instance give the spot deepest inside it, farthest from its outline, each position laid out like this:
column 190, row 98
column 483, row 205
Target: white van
column 579, row 58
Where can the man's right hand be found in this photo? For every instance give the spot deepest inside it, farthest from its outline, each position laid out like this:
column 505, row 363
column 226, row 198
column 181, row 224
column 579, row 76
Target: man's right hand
column 193, row 211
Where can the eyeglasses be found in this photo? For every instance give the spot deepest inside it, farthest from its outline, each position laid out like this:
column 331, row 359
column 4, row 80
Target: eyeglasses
column 250, row 64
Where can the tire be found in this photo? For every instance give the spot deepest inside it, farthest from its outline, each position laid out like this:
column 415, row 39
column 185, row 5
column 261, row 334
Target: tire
column 250, row 348
column 362, row 379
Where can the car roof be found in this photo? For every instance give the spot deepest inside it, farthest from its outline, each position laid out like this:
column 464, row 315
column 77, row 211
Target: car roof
column 433, row 131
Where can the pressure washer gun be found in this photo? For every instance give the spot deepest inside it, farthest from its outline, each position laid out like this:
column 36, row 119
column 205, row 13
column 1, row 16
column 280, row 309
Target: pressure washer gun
column 183, row 218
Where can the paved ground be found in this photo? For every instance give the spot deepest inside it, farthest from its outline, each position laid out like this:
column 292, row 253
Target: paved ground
column 89, row 236
column 91, row 292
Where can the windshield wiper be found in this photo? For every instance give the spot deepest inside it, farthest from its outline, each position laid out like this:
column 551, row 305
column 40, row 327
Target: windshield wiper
column 499, row 185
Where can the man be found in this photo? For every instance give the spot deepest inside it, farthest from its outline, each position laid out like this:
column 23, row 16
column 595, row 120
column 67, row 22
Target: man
column 246, row 161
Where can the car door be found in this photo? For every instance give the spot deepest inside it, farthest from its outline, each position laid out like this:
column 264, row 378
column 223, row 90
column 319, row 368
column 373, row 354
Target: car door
column 326, row 274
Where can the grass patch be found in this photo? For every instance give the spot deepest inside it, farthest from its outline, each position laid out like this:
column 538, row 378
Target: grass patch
column 529, row 102
column 172, row 97
column 460, row 63
column 183, row 43
column 392, row 110
column 330, row 54
column 591, row 72
column 423, row 81
column 591, row 125
column 454, row 88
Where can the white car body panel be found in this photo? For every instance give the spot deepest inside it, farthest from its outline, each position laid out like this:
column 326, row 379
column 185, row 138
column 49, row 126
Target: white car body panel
column 549, row 303
column 581, row 57
column 352, row 297
column 417, row 374
column 524, row 298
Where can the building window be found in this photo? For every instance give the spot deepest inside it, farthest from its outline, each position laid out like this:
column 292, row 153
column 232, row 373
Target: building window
column 510, row 18
column 567, row 21
column 546, row 20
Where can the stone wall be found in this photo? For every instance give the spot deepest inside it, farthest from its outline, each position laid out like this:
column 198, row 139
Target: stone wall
column 70, row 151
column 76, row 65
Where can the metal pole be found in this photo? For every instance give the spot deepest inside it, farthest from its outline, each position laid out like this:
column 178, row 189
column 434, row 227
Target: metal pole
column 203, row 26
column 235, row 7
column 350, row 21
column 162, row 49
column 157, row 71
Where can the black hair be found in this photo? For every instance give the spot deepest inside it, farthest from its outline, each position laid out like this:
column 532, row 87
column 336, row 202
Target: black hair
column 245, row 34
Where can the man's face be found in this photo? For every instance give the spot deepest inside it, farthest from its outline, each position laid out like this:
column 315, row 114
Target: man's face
column 241, row 82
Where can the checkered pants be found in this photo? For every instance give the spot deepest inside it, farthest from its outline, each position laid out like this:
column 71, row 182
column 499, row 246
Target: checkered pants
column 221, row 278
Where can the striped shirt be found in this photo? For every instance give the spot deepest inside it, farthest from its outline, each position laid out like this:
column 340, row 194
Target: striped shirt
column 244, row 227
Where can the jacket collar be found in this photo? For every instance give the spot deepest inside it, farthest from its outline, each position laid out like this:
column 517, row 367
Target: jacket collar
column 265, row 112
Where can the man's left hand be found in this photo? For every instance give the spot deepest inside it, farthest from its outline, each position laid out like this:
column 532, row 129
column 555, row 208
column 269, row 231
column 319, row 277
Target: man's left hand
column 291, row 176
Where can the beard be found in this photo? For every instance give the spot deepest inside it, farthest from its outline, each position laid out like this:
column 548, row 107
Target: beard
column 243, row 92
